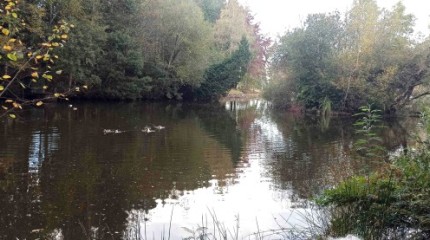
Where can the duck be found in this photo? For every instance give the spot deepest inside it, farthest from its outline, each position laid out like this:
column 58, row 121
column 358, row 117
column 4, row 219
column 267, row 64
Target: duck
column 109, row 131
column 159, row 127
column 147, row 130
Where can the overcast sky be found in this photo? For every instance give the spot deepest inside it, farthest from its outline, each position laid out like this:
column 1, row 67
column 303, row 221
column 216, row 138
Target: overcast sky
column 277, row 16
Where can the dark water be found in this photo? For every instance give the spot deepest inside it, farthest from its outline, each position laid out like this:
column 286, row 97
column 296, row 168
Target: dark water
column 62, row 177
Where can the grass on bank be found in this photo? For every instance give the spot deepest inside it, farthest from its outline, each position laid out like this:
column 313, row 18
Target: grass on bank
column 392, row 203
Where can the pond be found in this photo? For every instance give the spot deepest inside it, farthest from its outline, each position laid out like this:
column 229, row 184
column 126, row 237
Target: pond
column 88, row 171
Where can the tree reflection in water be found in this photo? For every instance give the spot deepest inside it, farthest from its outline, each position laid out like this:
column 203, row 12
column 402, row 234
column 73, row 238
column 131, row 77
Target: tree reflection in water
column 62, row 178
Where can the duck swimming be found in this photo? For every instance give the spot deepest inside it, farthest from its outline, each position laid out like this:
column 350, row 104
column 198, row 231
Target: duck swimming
column 159, row 127
column 147, row 130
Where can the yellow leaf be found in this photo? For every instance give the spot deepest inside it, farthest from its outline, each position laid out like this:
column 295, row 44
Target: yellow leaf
column 9, row 101
column 1, row 88
column 85, row 87
column 13, row 116
column 77, row 89
column 14, row 15
column 55, row 44
column 6, row 76
column 5, row 31
column 40, row 103
column 56, row 95
column 38, row 57
column 7, row 48
column 34, row 80
column 16, row 105
column 35, row 75
column 29, row 54
column 59, row 72
column 64, row 36
column 4, row 107
column 45, row 87
column 12, row 40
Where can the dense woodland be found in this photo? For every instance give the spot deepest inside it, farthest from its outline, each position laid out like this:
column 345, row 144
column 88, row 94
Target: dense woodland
column 199, row 49
column 369, row 55
column 125, row 50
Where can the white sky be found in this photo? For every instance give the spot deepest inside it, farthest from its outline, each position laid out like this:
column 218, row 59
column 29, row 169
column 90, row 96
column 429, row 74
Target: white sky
column 277, row 16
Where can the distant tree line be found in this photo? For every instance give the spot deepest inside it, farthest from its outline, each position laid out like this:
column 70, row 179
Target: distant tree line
column 370, row 55
column 132, row 49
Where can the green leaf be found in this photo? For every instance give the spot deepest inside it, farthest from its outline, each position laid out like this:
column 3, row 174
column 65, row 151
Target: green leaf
column 47, row 76
column 12, row 56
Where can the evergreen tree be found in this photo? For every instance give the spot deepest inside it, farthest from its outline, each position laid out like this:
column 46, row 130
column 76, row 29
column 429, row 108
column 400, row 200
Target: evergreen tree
column 224, row 76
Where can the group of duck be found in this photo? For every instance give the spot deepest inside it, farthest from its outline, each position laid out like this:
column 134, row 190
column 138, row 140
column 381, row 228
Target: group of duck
column 146, row 129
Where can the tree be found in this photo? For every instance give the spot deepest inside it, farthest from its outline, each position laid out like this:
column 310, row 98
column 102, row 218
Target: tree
column 369, row 57
column 309, row 54
column 221, row 77
column 177, row 42
column 26, row 67
column 211, row 9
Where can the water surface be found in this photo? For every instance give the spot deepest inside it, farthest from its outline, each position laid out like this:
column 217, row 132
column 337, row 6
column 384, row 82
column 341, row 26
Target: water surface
column 63, row 177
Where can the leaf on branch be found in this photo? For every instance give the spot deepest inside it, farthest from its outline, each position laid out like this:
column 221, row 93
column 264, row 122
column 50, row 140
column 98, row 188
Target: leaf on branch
column 16, row 105
column 35, row 75
column 7, row 48
column 39, row 103
column 6, row 76
column 5, row 31
column 59, row 72
column 12, row 56
column 13, row 116
column 1, row 88
column 47, row 76
column 56, row 95
column 4, row 107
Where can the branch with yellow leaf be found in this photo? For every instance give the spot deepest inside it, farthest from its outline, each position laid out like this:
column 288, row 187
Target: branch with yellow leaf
column 24, row 66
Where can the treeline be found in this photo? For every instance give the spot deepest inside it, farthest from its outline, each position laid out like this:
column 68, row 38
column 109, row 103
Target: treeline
column 141, row 49
column 370, row 55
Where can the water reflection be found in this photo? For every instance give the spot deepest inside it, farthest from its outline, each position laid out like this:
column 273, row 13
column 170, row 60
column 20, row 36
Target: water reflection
column 62, row 178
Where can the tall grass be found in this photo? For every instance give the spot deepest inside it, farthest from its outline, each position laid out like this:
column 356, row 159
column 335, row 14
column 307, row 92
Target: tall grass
column 390, row 203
